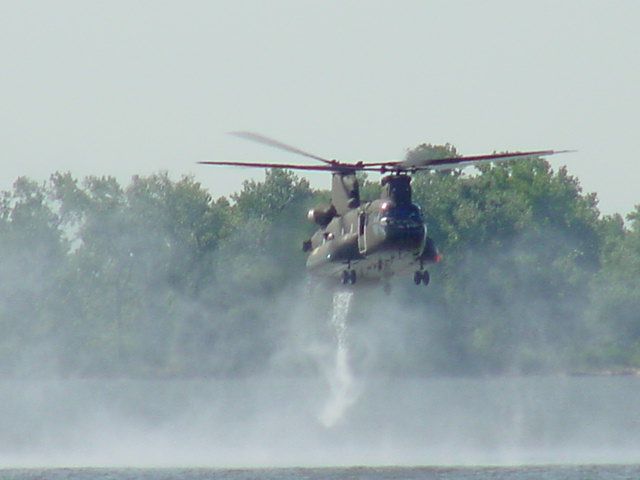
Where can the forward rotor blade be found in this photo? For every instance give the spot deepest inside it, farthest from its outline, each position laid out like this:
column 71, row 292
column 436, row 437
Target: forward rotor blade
column 460, row 162
column 321, row 168
column 399, row 166
column 256, row 137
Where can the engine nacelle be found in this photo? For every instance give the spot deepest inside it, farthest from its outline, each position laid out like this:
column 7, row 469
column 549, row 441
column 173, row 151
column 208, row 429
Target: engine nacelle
column 322, row 215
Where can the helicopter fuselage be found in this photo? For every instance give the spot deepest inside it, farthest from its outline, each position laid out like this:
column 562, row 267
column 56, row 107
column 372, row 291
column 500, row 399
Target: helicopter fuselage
column 374, row 240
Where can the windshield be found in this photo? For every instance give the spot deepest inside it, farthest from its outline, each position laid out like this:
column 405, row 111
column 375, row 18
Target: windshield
column 401, row 214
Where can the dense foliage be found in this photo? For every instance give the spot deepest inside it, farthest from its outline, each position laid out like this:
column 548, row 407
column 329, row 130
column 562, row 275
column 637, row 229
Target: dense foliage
column 160, row 278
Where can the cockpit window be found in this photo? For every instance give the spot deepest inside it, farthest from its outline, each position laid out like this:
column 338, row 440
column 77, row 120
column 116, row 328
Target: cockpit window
column 401, row 214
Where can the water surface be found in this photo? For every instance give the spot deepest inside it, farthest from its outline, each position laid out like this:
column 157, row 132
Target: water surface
column 585, row 472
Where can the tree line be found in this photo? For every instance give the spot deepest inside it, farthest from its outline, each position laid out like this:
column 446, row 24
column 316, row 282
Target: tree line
column 161, row 278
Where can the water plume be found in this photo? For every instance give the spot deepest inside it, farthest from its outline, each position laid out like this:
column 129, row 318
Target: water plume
column 343, row 393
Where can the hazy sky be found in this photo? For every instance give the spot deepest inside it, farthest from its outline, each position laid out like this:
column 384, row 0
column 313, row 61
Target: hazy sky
column 133, row 87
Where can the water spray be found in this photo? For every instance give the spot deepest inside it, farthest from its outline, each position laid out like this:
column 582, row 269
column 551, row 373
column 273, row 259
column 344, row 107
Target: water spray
column 341, row 382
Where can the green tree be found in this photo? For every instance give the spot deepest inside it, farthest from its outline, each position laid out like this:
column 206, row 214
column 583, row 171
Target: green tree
column 521, row 243
column 615, row 310
column 32, row 254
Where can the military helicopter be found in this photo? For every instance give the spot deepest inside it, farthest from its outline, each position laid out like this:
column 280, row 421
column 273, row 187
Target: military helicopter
column 375, row 240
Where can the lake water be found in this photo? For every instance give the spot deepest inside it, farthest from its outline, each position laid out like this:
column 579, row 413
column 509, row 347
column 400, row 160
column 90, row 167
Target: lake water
column 422, row 473
column 278, row 422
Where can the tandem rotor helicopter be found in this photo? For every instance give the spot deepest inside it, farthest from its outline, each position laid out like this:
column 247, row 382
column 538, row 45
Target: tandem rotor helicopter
column 375, row 240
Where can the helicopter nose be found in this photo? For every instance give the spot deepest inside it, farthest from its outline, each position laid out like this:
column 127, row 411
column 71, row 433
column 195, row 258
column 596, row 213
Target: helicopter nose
column 405, row 234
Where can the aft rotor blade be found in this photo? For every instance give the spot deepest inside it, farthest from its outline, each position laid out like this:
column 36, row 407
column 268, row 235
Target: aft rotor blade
column 321, row 168
column 256, row 137
column 459, row 162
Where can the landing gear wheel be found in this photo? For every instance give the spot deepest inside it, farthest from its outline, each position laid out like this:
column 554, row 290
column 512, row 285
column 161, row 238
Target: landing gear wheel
column 349, row 277
column 421, row 276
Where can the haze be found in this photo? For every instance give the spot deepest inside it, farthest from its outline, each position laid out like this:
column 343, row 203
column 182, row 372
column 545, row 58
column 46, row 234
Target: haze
column 124, row 88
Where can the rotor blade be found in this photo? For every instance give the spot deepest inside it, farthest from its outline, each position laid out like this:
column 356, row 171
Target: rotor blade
column 321, row 168
column 459, row 162
column 256, row 137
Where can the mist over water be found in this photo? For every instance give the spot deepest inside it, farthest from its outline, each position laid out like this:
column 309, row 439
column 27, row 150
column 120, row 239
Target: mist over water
column 338, row 389
column 273, row 421
column 323, row 399
column 320, row 402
